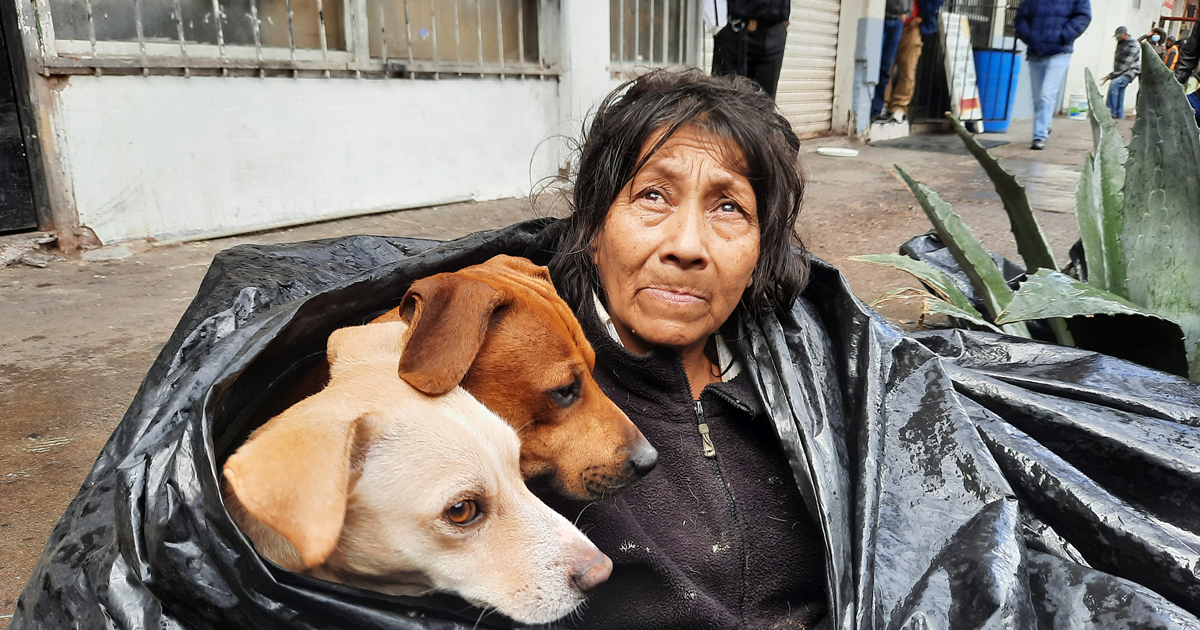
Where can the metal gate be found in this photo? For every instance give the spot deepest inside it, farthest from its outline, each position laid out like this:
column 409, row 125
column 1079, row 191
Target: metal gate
column 16, row 189
column 805, row 93
column 997, row 62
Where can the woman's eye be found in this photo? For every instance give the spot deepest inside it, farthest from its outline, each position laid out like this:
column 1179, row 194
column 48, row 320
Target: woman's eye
column 464, row 512
column 653, row 195
column 729, row 206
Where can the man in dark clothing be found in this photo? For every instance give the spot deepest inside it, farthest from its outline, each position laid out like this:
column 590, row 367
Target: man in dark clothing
column 1127, row 65
column 751, row 42
column 896, row 12
column 1049, row 28
column 1185, row 68
column 1189, row 53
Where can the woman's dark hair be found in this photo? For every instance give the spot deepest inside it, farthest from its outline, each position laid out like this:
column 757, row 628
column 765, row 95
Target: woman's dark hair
column 732, row 110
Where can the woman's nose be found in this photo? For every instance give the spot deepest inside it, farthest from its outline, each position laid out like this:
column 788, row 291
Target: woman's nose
column 686, row 243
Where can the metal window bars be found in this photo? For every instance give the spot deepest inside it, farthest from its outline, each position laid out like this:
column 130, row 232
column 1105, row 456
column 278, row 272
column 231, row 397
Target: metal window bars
column 654, row 34
column 391, row 38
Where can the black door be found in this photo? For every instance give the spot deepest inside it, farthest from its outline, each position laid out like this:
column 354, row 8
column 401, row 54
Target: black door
column 16, row 190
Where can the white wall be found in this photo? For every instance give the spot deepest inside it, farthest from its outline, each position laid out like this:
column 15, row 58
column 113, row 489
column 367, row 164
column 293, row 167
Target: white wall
column 1095, row 48
column 586, row 77
column 174, row 157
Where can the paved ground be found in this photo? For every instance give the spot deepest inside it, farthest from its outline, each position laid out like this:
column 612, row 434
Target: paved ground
column 77, row 337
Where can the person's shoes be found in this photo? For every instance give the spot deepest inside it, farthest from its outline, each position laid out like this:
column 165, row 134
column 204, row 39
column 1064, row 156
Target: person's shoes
column 896, row 117
column 1038, row 144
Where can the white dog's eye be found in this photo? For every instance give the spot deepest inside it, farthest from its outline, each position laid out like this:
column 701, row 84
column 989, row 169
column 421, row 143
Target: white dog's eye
column 463, row 513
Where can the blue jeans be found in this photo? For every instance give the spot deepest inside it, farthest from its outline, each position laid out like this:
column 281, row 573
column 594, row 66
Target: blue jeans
column 1116, row 96
column 1046, row 77
column 892, row 30
column 1194, row 99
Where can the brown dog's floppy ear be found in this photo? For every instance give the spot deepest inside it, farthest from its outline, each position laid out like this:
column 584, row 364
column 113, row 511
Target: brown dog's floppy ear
column 448, row 315
column 293, row 475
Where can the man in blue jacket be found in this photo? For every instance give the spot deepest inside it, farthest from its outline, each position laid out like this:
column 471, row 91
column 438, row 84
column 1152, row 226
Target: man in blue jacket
column 1049, row 29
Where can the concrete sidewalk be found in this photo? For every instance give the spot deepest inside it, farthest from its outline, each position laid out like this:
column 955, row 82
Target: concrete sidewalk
column 78, row 336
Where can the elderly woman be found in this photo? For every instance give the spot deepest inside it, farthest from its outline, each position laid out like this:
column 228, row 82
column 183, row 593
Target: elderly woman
column 684, row 206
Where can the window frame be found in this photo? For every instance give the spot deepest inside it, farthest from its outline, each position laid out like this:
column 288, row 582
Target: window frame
column 76, row 56
column 692, row 53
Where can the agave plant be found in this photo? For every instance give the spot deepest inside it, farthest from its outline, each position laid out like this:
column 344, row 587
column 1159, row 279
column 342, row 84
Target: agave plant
column 1139, row 295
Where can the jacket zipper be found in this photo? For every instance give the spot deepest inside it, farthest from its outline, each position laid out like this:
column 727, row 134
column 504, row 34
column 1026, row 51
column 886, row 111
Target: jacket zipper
column 710, row 452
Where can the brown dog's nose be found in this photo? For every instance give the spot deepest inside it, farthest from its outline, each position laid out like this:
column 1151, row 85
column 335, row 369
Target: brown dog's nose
column 643, row 458
column 592, row 572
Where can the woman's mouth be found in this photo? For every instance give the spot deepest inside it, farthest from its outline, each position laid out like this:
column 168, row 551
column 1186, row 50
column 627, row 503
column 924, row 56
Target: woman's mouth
column 681, row 297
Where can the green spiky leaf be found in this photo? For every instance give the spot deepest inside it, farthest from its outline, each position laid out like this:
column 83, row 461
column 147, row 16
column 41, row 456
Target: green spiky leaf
column 1161, row 232
column 972, row 315
column 1101, row 321
column 975, row 261
column 1052, row 294
column 1031, row 241
column 1100, row 198
column 933, row 277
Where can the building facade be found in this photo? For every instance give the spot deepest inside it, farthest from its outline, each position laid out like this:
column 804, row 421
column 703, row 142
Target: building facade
column 185, row 119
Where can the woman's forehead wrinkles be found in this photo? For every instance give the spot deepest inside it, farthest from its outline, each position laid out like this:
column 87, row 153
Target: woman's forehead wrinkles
column 674, row 164
column 727, row 152
column 685, row 167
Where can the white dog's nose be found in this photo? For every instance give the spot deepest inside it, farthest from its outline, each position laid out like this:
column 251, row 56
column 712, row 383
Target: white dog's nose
column 591, row 572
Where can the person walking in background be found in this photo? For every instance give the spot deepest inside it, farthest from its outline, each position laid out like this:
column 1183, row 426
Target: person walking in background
column 895, row 13
column 751, row 40
column 1126, row 66
column 1158, row 41
column 923, row 21
column 1049, row 29
column 1171, row 55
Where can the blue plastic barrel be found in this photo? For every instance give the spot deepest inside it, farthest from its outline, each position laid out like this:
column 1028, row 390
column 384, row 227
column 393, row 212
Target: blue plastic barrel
column 997, row 75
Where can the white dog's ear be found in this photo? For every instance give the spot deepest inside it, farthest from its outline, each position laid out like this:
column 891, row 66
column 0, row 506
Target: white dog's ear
column 448, row 317
column 293, row 475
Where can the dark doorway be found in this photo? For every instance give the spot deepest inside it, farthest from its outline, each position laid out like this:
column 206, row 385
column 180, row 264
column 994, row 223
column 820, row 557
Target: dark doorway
column 17, row 211
column 993, row 37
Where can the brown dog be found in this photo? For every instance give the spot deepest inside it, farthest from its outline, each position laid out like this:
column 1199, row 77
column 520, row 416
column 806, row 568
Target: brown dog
column 500, row 331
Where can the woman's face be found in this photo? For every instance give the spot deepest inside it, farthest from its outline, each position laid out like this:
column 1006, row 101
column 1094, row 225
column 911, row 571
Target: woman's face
column 679, row 245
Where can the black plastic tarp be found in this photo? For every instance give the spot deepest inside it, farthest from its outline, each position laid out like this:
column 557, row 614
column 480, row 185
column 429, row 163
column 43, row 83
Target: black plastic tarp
column 962, row 479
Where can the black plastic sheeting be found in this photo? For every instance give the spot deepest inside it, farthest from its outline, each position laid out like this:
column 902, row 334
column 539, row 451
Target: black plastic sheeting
column 962, row 480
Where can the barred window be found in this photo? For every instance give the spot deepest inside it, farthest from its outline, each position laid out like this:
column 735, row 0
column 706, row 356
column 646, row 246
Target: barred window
column 479, row 34
column 653, row 33
column 392, row 37
column 275, row 23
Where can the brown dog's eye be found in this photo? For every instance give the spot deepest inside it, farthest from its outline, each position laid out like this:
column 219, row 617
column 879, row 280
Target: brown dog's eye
column 463, row 513
column 566, row 396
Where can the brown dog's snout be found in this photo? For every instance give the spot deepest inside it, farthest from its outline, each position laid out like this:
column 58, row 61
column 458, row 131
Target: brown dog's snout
column 642, row 457
column 591, row 572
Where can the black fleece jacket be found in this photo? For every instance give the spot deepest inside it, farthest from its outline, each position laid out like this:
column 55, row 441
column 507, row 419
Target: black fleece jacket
column 702, row 542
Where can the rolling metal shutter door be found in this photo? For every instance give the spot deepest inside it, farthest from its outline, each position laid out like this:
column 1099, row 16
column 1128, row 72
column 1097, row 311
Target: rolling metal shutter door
column 805, row 93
